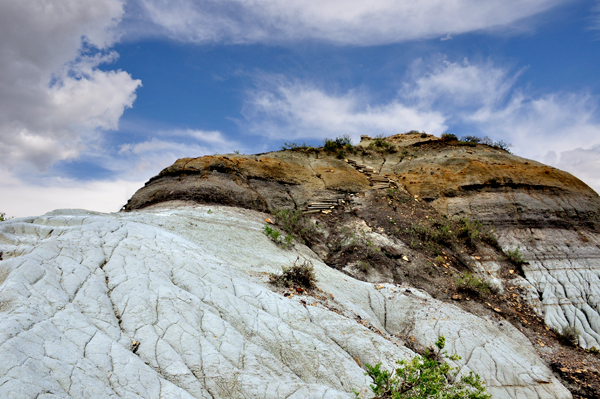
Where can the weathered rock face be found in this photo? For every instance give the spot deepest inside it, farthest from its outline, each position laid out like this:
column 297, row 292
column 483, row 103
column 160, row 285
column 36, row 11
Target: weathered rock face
column 550, row 216
column 173, row 302
column 496, row 186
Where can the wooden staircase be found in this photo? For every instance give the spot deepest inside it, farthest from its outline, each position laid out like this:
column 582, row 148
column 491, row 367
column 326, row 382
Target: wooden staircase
column 376, row 180
column 325, row 205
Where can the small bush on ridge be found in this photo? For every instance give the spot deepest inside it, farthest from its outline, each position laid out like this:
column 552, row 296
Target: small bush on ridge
column 299, row 274
column 569, row 336
column 449, row 137
column 295, row 224
column 276, row 236
column 469, row 282
column 515, row 257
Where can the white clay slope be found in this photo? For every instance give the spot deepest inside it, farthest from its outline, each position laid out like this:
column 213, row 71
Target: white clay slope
column 79, row 290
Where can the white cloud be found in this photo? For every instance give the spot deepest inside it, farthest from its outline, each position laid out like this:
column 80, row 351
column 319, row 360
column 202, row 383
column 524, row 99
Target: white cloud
column 212, row 137
column 337, row 21
column 459, row 85
column 486, row 98
column 31, row 199
column 145, row 159
column 52, row 96
column 300, row 110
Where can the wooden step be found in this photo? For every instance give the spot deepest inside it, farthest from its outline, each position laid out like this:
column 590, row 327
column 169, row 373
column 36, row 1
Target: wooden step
column 376, row 180
column 312, row 207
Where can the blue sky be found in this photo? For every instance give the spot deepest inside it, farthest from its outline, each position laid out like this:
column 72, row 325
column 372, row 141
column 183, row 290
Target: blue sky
column 97, row 96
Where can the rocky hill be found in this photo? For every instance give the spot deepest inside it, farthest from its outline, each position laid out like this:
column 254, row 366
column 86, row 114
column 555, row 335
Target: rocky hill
column 411, row 237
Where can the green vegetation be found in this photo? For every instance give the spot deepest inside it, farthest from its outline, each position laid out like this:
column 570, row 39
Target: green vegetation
column 285, row 241
column 473, row 231
column 449, row 137
column 339, row 146
column 515, row 257
column 569, row 335
column 3, row 217
column 295, row 224
column 431, row 234
column 298, row 147
column 469, row 282
column 380, row 145
column 426, row 376
column 299, row 274
column 472, row 141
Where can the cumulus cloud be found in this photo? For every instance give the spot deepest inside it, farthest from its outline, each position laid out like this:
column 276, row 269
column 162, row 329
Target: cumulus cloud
column 301, row 110
column 52, row 96
column 30, row 199
column 337, row 21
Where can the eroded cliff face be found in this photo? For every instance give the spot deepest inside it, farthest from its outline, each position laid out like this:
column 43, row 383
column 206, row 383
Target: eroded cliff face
column 548, row 215
column 498, row 187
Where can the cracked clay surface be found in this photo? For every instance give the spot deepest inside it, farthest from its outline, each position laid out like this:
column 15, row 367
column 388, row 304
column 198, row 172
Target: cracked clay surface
column 173, row 302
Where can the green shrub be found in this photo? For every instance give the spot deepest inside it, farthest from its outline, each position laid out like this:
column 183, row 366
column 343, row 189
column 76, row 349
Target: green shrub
column 469, row 282
column 426, row 376
column 3, row 217
column 276, row 236
column 379, row 144
column 272, row 233
column 470, row 139
column 295, row 224
column 341, row 143
column 499, row 145
column 433, row 232
column 449, row 137
column 472, row 231
column 515, row 257
column 569, row 336
column 299, row 274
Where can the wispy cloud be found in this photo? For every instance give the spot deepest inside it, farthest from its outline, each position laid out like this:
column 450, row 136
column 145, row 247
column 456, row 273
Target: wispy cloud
column 336, row 21
column 53, row 98
column 142, row 160
column 283, row 108
column 596, row 16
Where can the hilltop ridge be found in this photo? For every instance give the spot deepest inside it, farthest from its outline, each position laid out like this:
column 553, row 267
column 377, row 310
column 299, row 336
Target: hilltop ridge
column 452, row 177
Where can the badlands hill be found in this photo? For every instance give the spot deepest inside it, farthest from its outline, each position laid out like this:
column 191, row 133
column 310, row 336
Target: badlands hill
column 411, row 237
